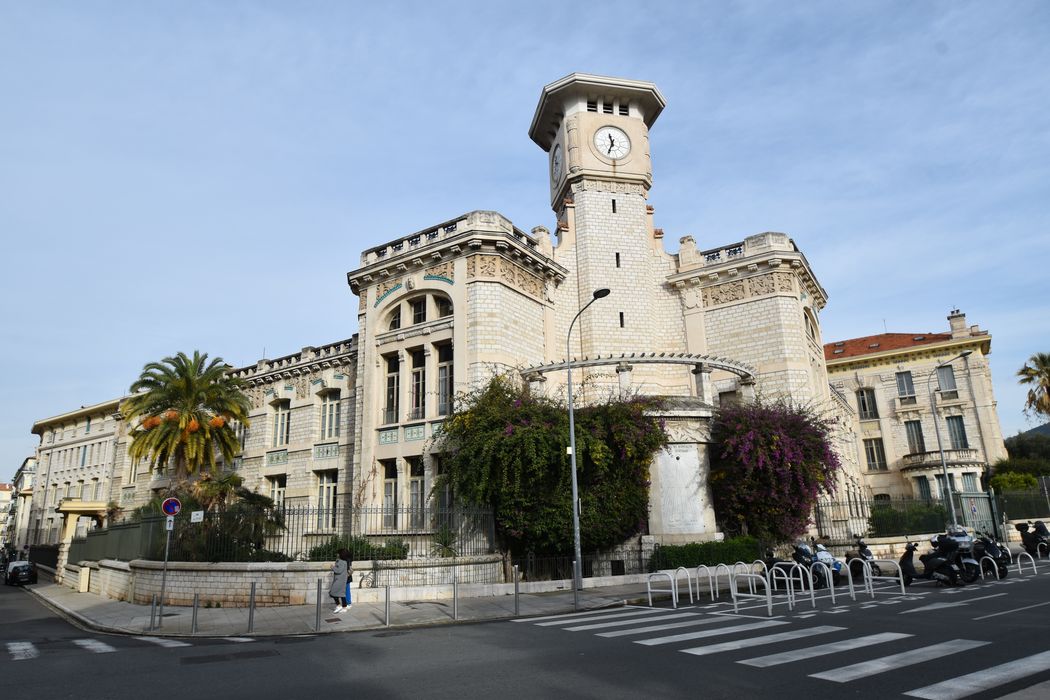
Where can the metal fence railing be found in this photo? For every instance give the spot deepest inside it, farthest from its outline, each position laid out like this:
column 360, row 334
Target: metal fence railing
column 841, row 521
column 1020, row 505
column 297, row 533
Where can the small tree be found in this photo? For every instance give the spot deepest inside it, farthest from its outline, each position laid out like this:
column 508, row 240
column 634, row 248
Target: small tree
column 1036, row 374
column 1013, row 481
column 770, row 462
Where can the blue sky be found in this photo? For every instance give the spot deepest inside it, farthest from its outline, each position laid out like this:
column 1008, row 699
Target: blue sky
column 203, row 174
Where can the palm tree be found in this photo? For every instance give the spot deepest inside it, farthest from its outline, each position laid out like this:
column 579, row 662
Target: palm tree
column 1036, row 372
column 184, row 407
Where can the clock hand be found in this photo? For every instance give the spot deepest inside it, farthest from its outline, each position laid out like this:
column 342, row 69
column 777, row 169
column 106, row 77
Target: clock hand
column 612, row 142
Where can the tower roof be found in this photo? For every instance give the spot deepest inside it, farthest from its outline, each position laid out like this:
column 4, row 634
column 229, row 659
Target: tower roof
column 555, row 97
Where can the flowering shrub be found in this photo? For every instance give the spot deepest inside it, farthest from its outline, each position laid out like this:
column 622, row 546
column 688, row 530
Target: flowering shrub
column 769, row 463
column 505, row 448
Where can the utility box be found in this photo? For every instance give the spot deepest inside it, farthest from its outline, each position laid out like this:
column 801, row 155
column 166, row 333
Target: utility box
column 84, row 584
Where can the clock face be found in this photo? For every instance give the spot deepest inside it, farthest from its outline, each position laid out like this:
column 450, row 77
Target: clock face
column 556, row 163
column 612, row 142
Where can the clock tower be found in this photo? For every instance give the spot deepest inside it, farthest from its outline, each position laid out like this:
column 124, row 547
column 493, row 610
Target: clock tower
column 595, row 130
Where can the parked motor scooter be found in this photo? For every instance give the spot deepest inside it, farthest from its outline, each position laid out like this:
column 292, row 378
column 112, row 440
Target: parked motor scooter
column 937, row 564
column 1043, row 535
column 828, row 559
column 969, row 569
column 855, row 562
column 1030, row 538
column 987, row 546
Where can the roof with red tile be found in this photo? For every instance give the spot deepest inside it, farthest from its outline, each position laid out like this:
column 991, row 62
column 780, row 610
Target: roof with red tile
column 871, row 344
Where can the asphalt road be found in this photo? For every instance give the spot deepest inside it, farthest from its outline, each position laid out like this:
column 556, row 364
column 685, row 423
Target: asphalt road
column 984, row 639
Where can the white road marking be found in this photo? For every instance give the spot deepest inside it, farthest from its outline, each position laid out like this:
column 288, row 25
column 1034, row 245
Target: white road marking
column 896, row 661
column 623, row 623
column 608, row 616
column 94, row 645
column 239, row 640
column 985, row 679
column 709, row 633
column 822, row 650
column 164, row 642
column 758, row 641
column 661, row 628
column 20, row 651
column 1007, row 612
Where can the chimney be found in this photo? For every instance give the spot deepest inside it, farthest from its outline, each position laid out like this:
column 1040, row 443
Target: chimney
column 957, row 322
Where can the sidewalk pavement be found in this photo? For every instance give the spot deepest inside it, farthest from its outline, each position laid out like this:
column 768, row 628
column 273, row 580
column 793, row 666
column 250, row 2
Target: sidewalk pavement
column 118, row 617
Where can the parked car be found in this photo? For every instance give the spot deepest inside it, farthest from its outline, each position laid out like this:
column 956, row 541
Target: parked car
column 19, row 573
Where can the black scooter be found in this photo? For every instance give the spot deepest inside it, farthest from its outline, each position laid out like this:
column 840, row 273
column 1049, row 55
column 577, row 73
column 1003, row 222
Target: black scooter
column 855, row 561
column 938, row 564
column 987, row 546
column 1032, row 538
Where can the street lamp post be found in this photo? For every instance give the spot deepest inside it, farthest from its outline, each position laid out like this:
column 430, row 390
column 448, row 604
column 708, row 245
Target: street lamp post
column 937, row 431
column 577, row 570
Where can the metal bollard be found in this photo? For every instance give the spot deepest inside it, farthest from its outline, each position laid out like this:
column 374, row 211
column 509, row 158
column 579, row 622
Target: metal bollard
column 455, row 595
column 387, row 623
column 153, row 613
column 251, row 610
column 516, row 591
column 575, row 593
column 317, row 622
column 193, row 621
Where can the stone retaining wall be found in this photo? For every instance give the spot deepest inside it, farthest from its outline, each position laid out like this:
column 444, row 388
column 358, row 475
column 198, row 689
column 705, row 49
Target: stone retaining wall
column 276, row 583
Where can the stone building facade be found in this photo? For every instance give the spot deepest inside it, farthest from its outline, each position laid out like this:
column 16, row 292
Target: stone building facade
column 356, row 424
column 901, row 401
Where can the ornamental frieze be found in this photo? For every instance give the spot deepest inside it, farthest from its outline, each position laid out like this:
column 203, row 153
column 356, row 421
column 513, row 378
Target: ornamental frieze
column 442, row 271
column 511, row 274
column 738, row 290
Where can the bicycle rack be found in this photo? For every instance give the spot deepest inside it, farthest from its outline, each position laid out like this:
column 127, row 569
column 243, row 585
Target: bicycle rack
column 871, row 578
column 688, row 582
column 802, row 582
column 746, row 571
column 1020, row 560
column 729, row 573
column 712, row 589
column 752, row 579
column 849, row 581
column 673, row 590
column 995, row 567
column 780, row 573
column 828, row 577
column 1042, row 550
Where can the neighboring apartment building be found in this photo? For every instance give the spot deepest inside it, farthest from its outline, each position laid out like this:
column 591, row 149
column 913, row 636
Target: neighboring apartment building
column 907, row 386
column 6, row 492
column 18, row 519
column 74, row 460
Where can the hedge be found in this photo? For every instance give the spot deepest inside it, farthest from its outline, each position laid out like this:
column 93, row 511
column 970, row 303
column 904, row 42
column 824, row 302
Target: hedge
column 671, row 556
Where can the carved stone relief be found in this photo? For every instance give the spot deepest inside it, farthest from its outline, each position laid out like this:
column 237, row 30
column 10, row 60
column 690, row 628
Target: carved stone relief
column 444, row 269
column 784, row 282
column 487, row 265
column 472, row 266
column 763, row 284
column 385, row 286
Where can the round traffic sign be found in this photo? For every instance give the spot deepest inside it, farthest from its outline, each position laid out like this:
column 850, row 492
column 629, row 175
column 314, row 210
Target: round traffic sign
column 171, row 506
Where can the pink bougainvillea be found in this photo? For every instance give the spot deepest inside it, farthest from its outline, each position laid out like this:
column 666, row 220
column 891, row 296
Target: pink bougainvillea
column 769, row 463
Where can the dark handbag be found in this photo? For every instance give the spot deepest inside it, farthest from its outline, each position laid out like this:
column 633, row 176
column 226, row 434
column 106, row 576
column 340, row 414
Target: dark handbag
column 349, row 576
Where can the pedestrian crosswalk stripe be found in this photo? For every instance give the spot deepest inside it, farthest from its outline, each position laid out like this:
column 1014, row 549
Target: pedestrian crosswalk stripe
column 95, row 645
column 661, row 628
column 822, row 649
column 710, row 633
column 164, row 642
column 610, row 616
column 20, row 651
column 985, row 679
column 757, row 641
column 584, row 614
column 896, row 661
column 239, row 640
column 624, row 623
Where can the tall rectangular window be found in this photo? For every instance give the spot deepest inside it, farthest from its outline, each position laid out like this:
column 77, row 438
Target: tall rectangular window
column 875, row 454
column 326, row 493
column 415, row 491
column 443, row 492
column 278, row 484
column 916, row 443
column 97, row 489
column 393, row 389
column 417, row 407
column 957, row 433
column 82, row 489
column 866, row 404
column 946, row 382
column 444, row 388
column 970, row 482
column 905, row 388
column 419, row 310
column 330, row 415
column 389, row 493
column 282, row 418
column 923, row 486
column 444, row 307
column 87, row 426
